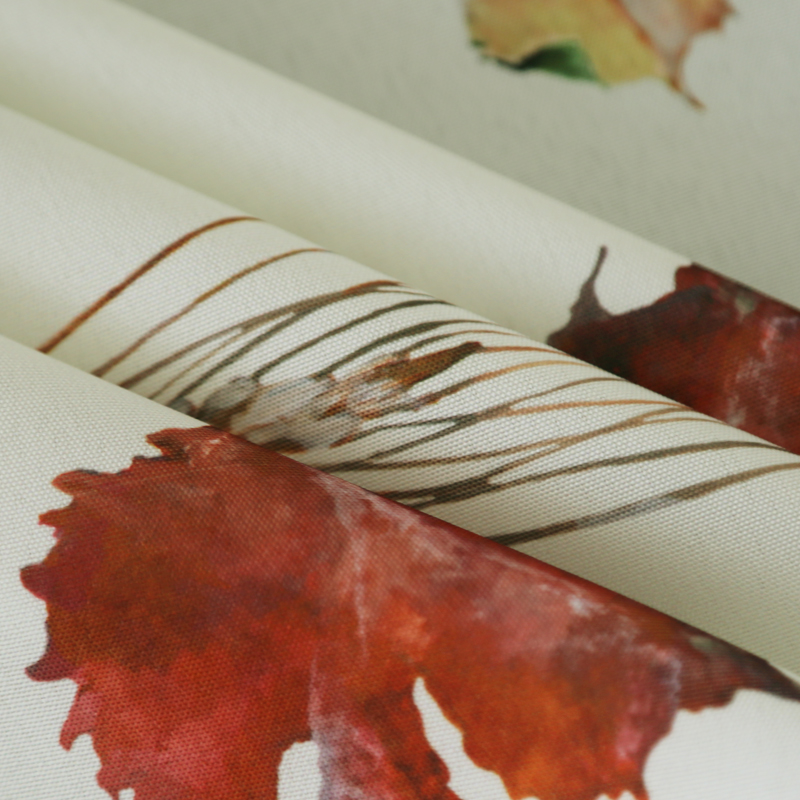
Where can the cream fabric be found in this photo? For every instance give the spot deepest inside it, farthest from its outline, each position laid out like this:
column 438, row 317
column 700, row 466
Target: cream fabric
column 719, row 184
column 179, row 106
column 726, row 560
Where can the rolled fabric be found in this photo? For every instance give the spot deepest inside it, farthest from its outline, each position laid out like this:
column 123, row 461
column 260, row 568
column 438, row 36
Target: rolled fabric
column 182, row 107
column 249, row 328
column 201, row 617
column 177, row 105
column 718, row 183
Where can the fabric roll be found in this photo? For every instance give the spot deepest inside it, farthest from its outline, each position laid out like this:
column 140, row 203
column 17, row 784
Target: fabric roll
column 203, row 618
column 179, row 106
column 197, row 114
column 249, row 328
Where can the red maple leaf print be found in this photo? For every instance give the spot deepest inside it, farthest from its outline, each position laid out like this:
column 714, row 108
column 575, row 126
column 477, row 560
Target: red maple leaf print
column 712, row 344
column 219, row 603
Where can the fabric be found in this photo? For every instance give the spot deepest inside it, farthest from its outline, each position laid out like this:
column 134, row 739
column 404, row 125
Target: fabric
column 273, row 149
column 238, row 625
column 261, row 576
column 717, row 182
column 175, row 296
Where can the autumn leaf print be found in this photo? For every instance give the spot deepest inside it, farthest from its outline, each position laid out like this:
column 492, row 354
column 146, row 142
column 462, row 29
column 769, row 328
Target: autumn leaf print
column 712, row 344
column 610, row 41
column 220, row 602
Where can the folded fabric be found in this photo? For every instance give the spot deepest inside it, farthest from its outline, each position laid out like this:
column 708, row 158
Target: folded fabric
column 188, row 110
column 185, row 300
column 233, row 625
column 192, row 112
column 532, row 89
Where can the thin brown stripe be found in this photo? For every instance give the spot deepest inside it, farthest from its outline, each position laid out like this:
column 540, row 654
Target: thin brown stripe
column 645, row 506
column 88, row 313
column 112, row 362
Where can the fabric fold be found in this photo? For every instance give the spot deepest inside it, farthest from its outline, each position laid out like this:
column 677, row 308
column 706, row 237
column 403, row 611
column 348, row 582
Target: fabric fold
column 194, row 113
column 718, row 183
column 179, row 106
column 222, row 622
column 253, row 330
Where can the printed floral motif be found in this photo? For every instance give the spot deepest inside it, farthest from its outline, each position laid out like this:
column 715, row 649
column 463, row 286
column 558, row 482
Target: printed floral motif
column 219, row 603
column 713, row 344
column 606, row 40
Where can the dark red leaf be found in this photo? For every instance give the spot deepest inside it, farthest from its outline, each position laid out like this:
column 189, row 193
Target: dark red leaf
column 713, row 344
column 219, row 603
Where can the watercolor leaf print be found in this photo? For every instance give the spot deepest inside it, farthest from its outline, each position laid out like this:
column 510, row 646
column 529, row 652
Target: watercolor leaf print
column 713, row 344
column 219, row 603
column 610, row 41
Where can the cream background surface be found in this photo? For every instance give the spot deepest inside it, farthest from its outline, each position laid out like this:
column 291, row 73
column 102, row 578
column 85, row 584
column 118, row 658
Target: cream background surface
column 721, row 185
column 181, row 107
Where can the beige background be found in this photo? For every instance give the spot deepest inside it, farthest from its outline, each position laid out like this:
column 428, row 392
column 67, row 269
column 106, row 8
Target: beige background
column 721, row 185
column 171, row 102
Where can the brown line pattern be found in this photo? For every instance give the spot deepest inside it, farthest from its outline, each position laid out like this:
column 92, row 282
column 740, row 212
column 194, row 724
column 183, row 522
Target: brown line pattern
column 370, row 316
column 222, row 285
column 365, row 395
column 439, row 420
column 256, row 341
column 647, row 505
column 403, row 333
column 115, row 291
column 261, row 319
column 549, row 446
column 434, row 397
column 460, row 490
column 467, row 420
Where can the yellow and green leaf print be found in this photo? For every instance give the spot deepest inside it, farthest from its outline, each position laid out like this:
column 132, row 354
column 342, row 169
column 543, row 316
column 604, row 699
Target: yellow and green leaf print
column 609, row 41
